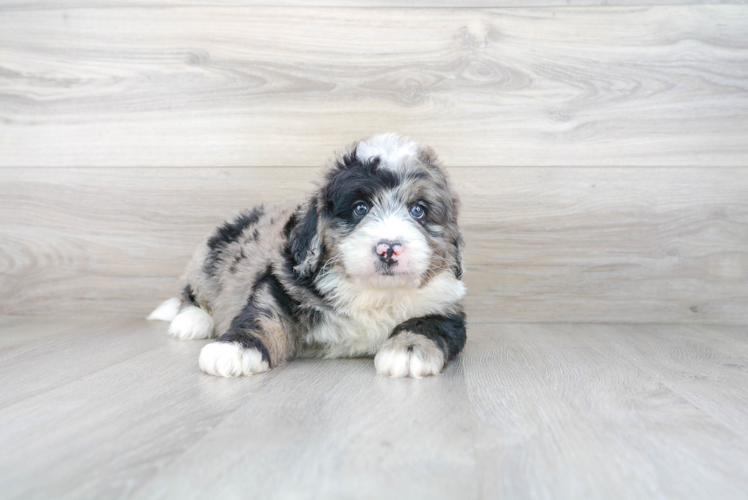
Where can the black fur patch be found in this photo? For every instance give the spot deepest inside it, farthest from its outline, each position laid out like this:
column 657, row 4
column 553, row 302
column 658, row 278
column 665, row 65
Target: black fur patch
column 228, row 233
column 297, row 244
column 458, row 257
column 285, row 303
column 188, row 295
column 301, row 235
column 291, row 223
column 355, row 181
column 448, row 331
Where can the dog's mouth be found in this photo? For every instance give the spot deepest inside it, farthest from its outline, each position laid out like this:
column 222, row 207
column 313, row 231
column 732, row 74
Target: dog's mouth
column 391, row 280
column 387, row 276
column 387, row 269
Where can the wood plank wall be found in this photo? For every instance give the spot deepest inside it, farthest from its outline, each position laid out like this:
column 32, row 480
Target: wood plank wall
column 601, row 151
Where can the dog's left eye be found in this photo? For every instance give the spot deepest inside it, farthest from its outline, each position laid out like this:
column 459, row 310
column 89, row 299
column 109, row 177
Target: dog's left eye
column 360, row 209
column 417, row 211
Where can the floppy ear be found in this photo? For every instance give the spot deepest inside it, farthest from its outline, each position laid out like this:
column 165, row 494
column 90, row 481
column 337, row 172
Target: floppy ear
column 459, row 246
column 306, row 240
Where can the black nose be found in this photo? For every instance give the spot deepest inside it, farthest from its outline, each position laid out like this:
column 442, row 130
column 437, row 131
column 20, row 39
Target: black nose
column 388, row 251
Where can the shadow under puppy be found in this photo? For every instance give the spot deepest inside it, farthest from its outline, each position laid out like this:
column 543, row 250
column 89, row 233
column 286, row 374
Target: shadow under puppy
column 369, row 265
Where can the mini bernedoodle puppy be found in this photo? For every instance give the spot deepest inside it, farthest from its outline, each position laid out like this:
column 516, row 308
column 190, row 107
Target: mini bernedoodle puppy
column 369, row 265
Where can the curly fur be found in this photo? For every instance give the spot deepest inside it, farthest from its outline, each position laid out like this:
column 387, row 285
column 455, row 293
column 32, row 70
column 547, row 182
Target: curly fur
column 321, row 279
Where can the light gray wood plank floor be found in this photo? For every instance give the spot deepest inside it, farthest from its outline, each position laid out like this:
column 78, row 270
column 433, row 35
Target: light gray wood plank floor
column 113, row 408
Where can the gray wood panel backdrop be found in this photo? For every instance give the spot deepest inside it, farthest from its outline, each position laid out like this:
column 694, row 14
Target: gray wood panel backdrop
column 601, row 151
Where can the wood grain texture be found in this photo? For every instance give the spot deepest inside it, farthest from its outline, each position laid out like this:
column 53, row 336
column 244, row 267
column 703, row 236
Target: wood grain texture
column 262, row 86
column 76, row 4
column 99, row 435
column 382, row 438
column 659, row 350
column 578, row 411
column 332, row 424
column 17, row 337
column 527, row 411
column 543, row 244
column 62, row 354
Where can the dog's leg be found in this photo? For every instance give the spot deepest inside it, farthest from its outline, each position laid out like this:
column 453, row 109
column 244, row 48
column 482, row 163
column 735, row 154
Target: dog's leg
column 260, row 337
column 421, row 347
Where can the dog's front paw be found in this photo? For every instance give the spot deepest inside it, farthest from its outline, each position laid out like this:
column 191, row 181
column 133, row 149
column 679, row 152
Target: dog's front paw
column 192, row 323
column 229, row 359
column 409, row 354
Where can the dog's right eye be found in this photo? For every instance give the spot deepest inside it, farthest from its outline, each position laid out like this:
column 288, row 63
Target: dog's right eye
column 360, row 209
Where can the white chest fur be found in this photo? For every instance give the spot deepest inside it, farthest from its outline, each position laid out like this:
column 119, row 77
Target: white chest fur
column 365, row 315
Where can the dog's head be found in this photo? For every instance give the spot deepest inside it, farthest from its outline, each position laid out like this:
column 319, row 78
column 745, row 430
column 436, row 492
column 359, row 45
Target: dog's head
column 385, row 214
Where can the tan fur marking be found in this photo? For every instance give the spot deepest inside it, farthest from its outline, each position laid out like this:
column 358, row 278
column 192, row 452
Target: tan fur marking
column 277, row 340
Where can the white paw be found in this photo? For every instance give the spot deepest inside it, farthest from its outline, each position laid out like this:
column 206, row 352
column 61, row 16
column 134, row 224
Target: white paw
column 229, row 359
column 409, row 355
column 192, row 323
column 167, row 311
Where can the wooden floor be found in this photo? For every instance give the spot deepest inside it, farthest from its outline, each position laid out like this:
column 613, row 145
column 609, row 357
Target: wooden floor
column 113, row 408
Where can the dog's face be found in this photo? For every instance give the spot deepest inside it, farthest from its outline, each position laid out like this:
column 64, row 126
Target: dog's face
column 385, row 214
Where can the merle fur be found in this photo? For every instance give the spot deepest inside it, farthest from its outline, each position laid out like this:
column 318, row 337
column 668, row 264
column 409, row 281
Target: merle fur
column 247, row 321
column 228, row 233
column 291, row 280
column 188, row 295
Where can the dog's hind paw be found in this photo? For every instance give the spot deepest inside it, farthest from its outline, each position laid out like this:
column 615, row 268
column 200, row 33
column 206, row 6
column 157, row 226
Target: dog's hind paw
column 166, row 311
column 230, row 359
column 192, row 323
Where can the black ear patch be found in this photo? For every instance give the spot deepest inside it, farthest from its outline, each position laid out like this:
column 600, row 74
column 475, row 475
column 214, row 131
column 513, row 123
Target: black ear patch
column 305, row 241
column 459, row 245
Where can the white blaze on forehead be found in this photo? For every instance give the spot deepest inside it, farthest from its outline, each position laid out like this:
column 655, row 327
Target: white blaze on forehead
column 394, row 151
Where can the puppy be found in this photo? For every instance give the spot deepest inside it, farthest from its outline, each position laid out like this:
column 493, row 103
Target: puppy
column 369, row 265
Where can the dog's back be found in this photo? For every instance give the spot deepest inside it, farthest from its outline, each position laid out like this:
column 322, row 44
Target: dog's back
column 225, row 266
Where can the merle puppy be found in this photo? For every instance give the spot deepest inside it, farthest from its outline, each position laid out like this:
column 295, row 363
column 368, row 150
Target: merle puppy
column 369, row 265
